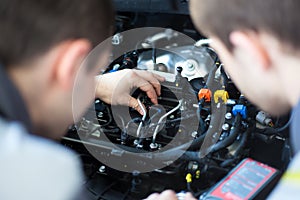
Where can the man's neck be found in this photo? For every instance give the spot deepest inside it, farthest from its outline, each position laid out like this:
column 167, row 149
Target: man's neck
column 289, row 73
column 31, row 90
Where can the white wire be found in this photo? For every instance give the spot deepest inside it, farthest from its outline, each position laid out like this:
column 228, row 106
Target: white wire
column 163, row 117
column 203, row 42
column 143, row 119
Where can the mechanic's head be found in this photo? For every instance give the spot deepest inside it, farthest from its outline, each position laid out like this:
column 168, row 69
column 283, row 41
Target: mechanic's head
column 42, row 46
column 257, row 40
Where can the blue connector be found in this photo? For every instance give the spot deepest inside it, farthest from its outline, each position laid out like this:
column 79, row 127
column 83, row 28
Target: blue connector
column 113, row 70
column 240, row 109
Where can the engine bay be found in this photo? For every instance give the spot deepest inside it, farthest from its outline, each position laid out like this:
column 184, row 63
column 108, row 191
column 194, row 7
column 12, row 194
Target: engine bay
column 201, row 129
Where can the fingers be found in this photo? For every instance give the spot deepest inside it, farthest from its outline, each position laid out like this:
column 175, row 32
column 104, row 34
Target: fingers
column 189, row 196
column 153, row 196
column 147, row 87
column 166, row 195
column 116, row 87
column 133, row 103
column 145, row 74
column 152, row 78
column 160, row 78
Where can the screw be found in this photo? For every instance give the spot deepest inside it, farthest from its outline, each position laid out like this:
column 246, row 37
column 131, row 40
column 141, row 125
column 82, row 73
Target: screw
column 153, row 146
column 225, row 127
column 228, row 116
column 135, row 142
column 190, row 66
column 102, row 169
column 194, row 134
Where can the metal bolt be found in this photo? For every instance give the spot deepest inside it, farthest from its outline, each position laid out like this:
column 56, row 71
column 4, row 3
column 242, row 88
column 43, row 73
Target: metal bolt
column 194, row 134
column 136, row 173
column 225, row 127
column 135, row 142
column 190, row 66
column 179, row 69
column 228, row 116
column 102, row 169
column 100, row 114
column 207, row 120
column 153, row 146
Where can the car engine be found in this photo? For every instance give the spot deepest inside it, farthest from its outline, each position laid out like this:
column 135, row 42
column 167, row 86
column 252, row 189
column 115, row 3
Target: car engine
column 201, row 129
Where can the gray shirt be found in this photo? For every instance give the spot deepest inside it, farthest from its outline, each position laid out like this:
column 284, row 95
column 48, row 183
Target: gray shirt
column 33, row 168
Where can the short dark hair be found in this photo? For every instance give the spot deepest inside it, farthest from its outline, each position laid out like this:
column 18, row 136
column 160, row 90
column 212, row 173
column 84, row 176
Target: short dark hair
column 280, row 18
column 29, row 28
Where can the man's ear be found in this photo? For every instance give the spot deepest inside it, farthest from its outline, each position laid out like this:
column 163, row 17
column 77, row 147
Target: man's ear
column 250, row 43
column 69, row 61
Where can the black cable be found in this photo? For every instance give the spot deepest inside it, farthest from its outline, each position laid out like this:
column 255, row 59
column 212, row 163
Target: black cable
column 201, row 122
column 188, row 186
column 232, row 135
column 154, row 56
column 273, row 131
column 241, row 145
column 172, row 121
column 109, row 117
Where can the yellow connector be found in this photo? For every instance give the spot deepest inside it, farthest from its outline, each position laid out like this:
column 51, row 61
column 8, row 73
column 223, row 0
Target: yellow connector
column 221, row 94
column 198, row 174
column 188, row 178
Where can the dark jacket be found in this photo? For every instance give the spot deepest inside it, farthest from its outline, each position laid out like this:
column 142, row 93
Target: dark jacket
column 32, row 167
column 12, row 106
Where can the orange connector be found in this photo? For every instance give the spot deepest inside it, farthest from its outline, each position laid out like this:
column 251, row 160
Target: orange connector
column 205, row 94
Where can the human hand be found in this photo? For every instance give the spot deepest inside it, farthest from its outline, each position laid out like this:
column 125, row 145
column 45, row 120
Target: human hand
column 115, row 88
column 169, row 195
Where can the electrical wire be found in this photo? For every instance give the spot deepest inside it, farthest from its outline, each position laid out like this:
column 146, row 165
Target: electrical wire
column 143, row 118
column 232, row 135
column 238, row 150
column 202, row 42
column 163, row 117
column 274, row 131
column 134, row 120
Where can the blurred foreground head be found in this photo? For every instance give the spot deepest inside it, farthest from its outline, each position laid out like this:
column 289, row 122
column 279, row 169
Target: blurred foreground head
column 42, row 46
column 258, row 41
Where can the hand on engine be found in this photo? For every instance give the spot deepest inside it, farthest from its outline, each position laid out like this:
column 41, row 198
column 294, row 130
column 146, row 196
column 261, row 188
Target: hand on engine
column 116, row 88
column 168, row 195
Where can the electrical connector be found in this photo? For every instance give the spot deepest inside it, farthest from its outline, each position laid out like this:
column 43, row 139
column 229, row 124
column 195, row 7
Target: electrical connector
column 198, row 174
column 188, row 178
column 240, row 109
column 205, row 94
column 264, row 118
column 221, row 94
